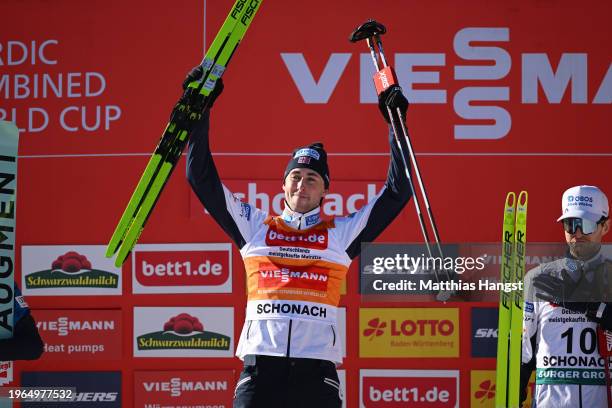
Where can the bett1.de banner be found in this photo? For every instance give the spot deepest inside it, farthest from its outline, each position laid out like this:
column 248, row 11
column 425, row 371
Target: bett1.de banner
column 504, row 97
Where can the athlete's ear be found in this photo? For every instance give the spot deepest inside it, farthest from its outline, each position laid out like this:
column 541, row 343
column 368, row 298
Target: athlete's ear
column 323, row 197
column 606, row 227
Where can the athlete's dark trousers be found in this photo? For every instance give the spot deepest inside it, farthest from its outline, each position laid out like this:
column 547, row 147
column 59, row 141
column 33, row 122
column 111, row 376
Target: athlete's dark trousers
column 281, row 382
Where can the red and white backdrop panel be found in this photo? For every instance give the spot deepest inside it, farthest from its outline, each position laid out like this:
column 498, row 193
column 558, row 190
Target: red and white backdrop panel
column 503, row 98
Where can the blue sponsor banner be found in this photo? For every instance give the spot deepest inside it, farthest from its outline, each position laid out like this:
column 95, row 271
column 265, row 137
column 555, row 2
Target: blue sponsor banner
column 484, row 331
column 92, row 388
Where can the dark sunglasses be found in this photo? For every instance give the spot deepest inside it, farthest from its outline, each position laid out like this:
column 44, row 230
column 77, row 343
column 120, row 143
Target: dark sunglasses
column 571, row 225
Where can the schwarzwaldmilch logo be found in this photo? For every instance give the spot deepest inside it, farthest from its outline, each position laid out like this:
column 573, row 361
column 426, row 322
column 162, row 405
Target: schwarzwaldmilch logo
column 183, row 332
column 375, row 328
column 71, row 270
column 486, row 391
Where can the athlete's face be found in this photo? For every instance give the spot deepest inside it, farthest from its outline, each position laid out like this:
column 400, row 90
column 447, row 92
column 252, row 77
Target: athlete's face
column 304, row 189
column 586, row 246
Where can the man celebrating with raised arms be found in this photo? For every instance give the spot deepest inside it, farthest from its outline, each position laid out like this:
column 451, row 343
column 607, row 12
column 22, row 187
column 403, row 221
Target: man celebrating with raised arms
column 295, row 264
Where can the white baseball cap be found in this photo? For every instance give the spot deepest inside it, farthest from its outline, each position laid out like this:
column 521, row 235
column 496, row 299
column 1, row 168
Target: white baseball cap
column 587, row 202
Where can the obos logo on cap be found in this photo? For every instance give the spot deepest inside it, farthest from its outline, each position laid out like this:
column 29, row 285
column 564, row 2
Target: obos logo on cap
column 587, row 202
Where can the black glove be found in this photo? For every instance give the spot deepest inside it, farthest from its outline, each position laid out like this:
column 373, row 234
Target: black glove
column 560, row 291
column 393, row 98
column 195, row 75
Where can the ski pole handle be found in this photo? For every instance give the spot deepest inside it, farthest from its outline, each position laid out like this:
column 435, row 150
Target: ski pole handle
column 371, row 31
column 367, row 30
column 384, row 79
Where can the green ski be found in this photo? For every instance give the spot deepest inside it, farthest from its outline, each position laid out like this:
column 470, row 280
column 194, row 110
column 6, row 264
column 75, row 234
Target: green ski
column 516, row 325
column 505, row 302
column 185, row 114
column 511, row 303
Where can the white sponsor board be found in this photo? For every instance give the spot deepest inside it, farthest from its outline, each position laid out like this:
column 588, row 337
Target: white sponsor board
column 157, row 334
column 68, row 270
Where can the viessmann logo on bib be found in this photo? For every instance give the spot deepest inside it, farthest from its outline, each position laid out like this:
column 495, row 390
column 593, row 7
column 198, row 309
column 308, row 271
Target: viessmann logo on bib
column 316, row 239
column 273, row 275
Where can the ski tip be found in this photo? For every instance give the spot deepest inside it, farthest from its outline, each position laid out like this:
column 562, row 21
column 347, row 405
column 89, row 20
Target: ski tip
column 522, row 198
column 510, row 199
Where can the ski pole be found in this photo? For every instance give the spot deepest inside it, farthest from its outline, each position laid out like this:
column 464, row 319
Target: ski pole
column 368, row 31
column 371, row 31
column 605, row 351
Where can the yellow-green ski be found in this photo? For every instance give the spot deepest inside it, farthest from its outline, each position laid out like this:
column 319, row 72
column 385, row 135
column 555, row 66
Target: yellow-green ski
column 185, row 114
column 505, row 302
column 516, row 325
column 510, row 328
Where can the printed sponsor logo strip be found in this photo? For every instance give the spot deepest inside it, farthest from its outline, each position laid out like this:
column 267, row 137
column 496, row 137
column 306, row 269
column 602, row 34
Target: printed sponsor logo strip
column 484, row 332
column 68, row 270
column 482, row 393
column 80, row 334
column 409, row 388
column 273, row 275
column 275, row 309
column 409, row 332
column 483, row 386
column 173, row 388
column 182, row 268
column 315, row 239
column 183, row 331
column 93, row 388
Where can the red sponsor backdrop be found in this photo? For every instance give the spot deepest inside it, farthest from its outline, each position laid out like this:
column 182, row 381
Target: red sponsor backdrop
column 215, row 388
column 395, row 392
column 80, row 334
column 504, row 97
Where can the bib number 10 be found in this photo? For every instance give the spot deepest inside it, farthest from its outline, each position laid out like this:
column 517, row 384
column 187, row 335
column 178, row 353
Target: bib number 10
column 588, row 340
